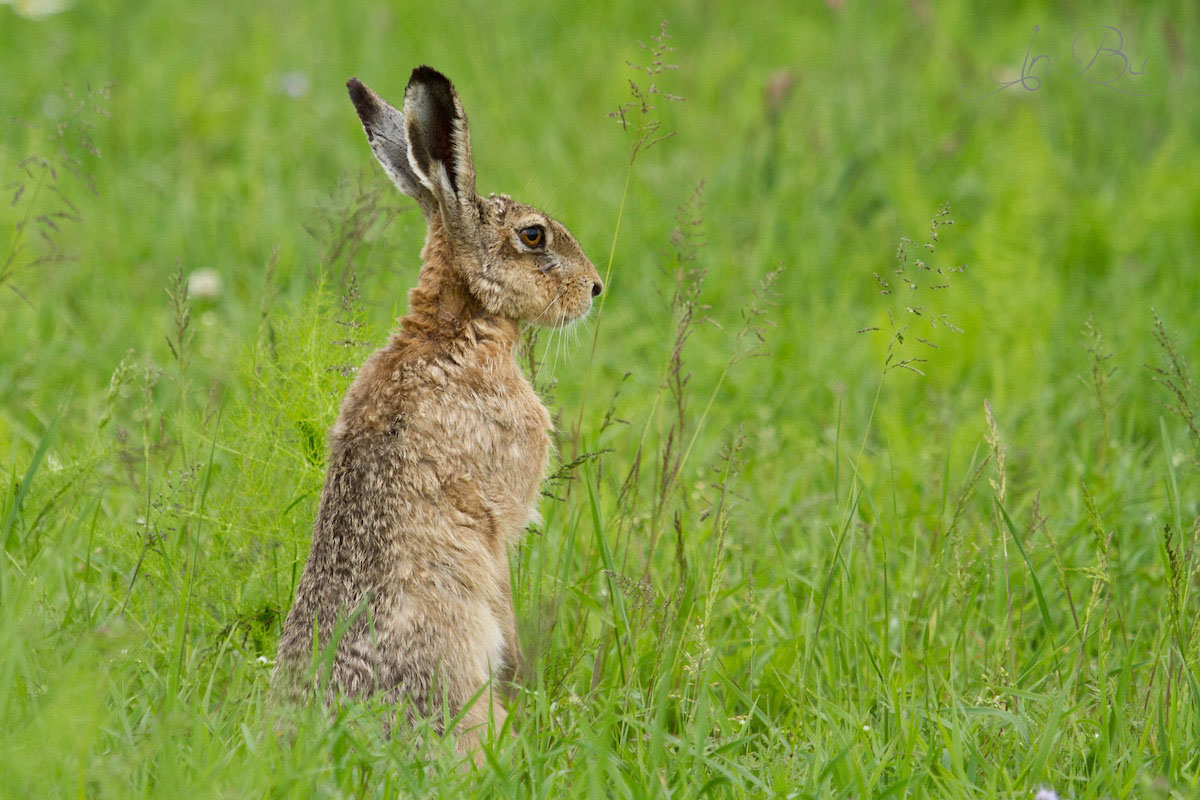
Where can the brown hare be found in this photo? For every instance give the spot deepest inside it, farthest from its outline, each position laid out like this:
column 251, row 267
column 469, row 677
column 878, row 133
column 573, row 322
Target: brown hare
column 437, row 454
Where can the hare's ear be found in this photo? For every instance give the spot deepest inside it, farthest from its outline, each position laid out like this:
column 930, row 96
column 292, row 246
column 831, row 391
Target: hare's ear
column 386, row 133
column 439, row 143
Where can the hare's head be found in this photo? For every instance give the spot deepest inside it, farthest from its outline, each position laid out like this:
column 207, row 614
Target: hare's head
column 516, row 261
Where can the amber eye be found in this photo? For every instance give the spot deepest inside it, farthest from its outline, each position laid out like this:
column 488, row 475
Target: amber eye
column 533, row 236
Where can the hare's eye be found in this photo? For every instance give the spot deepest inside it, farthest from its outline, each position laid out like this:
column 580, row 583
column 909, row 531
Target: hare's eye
column 533, row 236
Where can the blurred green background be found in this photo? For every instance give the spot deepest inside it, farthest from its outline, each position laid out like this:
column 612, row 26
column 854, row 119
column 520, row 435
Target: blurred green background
column 1072, row 199
column 217, row 139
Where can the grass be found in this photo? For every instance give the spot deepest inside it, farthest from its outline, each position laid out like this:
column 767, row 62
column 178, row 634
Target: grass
column 772, row 562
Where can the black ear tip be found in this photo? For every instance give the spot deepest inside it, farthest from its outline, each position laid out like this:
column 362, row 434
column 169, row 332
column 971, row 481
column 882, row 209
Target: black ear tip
column 362, row 97
column 428, row 75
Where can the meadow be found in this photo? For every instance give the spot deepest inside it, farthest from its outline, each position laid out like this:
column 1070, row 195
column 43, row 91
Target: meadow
column 877, row 470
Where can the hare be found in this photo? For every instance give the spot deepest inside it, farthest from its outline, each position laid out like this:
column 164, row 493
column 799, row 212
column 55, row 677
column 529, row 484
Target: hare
column 441, row 443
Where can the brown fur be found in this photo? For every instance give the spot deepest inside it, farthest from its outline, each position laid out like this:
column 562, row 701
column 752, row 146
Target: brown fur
column 437, row 455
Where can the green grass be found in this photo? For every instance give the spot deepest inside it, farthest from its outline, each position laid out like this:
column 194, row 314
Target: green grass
column 768, row 568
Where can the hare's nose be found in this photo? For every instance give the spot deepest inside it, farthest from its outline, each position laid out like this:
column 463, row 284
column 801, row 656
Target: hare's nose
column 597, row 288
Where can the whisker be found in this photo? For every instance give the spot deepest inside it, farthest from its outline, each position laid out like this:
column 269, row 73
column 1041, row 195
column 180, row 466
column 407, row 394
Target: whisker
column 562, row 319
column 554, row 342
column 558, row 343
column 557, row 297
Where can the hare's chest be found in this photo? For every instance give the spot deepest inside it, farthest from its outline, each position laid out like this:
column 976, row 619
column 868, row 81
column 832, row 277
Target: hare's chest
column 519, row 441
column 493, row 435
column 531, row 451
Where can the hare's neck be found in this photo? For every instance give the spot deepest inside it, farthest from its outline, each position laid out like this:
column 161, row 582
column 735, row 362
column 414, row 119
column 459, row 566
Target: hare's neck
column 441, row 309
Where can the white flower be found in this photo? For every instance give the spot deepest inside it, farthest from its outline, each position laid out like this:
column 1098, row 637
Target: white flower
column 33, row 9
column 294, row 84
column 204, row 284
